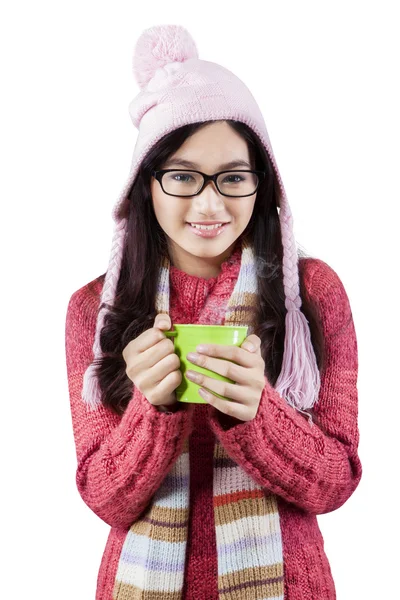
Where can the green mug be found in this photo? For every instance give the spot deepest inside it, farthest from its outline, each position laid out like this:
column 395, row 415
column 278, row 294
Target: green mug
column 186, row 337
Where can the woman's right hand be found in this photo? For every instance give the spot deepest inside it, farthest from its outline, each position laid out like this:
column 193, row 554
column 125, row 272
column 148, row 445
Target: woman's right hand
column 153, row 365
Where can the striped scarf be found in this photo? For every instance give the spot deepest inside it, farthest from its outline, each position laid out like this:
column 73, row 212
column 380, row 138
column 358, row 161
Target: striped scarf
column 248, row 534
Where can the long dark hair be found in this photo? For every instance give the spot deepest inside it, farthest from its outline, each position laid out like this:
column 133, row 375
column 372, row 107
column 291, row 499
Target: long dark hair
column 134, row 306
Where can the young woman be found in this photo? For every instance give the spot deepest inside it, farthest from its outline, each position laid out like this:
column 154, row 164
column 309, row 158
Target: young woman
column 217, row 499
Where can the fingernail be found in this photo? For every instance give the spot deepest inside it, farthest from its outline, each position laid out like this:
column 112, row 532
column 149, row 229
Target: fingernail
column 162, row 324
column 202, row 348
column 203, row 394
column 248, row 346
column 193, row 376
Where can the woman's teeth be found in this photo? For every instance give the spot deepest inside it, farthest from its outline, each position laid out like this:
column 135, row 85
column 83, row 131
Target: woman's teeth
column 207, row 226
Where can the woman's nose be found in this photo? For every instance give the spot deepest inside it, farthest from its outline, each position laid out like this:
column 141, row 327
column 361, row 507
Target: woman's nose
column 209, row 201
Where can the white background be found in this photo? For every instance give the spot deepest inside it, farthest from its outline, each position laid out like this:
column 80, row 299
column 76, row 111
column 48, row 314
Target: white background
column 325, row 75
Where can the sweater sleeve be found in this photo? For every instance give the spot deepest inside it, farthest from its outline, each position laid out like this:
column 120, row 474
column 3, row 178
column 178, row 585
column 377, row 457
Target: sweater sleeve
column 314, row 466
column 121, row 461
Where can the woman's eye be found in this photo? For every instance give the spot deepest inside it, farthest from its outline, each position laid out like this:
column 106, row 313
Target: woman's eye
column 229, row 179
column 181, row 177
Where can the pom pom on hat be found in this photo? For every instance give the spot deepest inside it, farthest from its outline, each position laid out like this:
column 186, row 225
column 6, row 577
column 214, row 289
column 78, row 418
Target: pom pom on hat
column 158, row 46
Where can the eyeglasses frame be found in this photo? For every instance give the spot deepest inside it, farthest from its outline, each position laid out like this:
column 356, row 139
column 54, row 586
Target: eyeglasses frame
column 159, row 174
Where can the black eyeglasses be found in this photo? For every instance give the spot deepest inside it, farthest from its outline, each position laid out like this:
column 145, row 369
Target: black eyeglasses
column 185, row 182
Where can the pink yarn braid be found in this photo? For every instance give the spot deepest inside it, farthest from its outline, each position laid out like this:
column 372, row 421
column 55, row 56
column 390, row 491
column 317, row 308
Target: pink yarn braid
column 91, row 393
column 299, row 379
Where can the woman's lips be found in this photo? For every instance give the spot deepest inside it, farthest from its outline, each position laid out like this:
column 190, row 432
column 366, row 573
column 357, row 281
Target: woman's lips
column 207, row 233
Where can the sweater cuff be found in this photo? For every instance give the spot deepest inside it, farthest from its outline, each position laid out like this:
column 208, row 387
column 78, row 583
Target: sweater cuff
column 182, row 416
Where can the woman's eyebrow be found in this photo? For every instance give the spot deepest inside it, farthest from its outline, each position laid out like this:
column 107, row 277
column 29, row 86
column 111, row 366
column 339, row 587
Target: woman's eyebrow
column 191, row 165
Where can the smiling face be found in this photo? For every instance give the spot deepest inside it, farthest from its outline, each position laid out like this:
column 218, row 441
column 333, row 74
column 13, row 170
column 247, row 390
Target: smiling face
column 209, row 150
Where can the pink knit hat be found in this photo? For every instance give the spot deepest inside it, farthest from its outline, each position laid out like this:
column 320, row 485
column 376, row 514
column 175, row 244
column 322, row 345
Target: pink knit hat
column 177, row 88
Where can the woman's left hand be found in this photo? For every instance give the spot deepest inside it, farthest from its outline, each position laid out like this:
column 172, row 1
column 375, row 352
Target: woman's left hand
column 241, row 365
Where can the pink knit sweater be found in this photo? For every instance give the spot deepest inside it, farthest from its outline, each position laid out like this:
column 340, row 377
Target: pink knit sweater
column 313, row 470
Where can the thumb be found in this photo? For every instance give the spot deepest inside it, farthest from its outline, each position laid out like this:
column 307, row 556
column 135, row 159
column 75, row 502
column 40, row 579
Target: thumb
column 162, row 321
column 252, row 343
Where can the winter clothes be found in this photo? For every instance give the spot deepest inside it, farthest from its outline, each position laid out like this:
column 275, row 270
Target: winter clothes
column 306, row 469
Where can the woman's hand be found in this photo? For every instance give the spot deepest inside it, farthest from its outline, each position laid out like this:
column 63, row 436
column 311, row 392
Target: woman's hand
column 248, row 373
column 153, row 366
